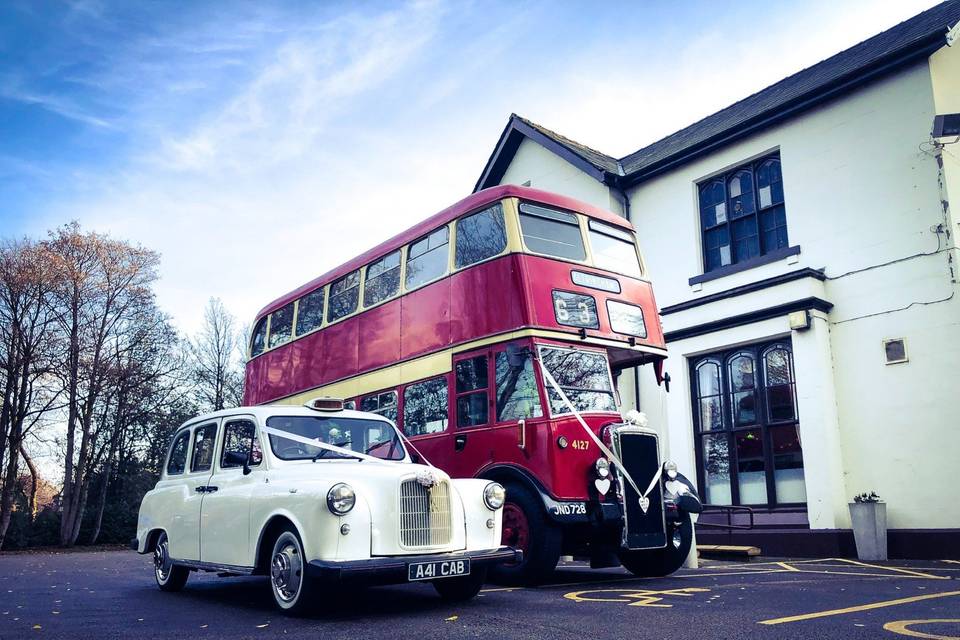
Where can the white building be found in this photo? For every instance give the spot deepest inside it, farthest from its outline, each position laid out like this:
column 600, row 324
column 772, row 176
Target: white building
column 803, row 251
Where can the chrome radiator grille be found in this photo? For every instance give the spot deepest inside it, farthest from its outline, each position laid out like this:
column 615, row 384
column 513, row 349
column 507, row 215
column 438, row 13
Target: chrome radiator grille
column 424, row 514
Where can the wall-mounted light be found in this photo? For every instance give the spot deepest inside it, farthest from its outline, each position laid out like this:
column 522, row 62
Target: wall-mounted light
column 800, row 320
column 946, row 125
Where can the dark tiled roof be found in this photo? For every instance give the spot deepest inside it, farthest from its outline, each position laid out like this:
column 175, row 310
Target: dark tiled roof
column 890, row 50
column 924, row 29
column 597, row 158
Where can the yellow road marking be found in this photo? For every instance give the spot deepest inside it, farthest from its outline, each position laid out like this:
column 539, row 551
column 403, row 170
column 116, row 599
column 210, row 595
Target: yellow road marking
column 642, row 597
column 896, row 569
column 787, row 567
column 952, row 561
column 862, row 607
column 901, row 627
column 500, row 589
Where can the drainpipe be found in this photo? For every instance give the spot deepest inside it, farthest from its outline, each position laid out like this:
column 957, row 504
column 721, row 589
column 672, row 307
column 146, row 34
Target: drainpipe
column 621, row 195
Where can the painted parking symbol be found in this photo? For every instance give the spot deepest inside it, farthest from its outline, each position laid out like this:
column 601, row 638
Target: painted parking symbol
column 633, row 597
column 909, row 628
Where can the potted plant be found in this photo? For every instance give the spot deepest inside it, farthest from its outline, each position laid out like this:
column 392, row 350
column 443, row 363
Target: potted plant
column 869, row 517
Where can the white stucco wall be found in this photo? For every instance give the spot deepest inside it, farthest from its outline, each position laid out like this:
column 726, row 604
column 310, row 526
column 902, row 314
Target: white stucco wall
column 859, row 192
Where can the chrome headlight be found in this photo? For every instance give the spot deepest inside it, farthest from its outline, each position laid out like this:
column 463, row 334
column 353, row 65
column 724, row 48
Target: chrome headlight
column 670, row 469
column 341, row 499
column 494, row 495
column 602, row 466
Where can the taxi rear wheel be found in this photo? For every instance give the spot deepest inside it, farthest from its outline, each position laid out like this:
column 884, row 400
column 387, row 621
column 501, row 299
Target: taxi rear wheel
column 527, row 527
column 170, row 577
column 655, row 563
column 292, row 589
column 463, row 588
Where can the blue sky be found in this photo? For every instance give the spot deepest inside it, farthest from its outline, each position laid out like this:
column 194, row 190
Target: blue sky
column 256, row 145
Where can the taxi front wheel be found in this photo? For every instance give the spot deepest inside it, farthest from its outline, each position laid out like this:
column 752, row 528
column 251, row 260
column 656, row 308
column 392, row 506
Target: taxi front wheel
column 460, row 589
column 292, row 590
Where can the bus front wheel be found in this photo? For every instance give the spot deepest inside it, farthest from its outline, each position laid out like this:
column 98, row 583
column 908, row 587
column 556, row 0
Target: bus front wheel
column 654, row 563
column 527, row 527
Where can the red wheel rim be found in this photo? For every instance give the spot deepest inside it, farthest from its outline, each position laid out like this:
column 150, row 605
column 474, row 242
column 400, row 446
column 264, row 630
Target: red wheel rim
column 516, row 528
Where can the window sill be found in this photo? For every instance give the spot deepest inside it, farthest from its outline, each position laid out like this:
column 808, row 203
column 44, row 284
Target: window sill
column 730, row 269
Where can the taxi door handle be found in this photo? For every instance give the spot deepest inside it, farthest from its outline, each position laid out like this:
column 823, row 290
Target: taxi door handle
column 211, row 489
column 459, row 443
column 201, row 489
column 522, row 424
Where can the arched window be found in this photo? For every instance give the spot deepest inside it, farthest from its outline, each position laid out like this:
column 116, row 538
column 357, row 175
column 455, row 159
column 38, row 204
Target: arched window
column 742, row 214
column 714, row 443
column 745, row 418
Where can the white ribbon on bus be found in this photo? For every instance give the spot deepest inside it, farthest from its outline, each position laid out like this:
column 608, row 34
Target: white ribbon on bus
column 644, row 501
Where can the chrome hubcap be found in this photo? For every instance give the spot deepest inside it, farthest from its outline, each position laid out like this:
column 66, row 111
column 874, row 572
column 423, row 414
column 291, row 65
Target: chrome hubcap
column 160, row 563
column 285, row 571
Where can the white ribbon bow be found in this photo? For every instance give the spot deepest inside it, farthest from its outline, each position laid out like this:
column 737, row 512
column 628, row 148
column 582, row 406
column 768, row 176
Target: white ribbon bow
column 644, row 501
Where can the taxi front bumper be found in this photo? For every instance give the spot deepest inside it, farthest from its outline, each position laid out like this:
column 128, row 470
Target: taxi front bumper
column 393, row 569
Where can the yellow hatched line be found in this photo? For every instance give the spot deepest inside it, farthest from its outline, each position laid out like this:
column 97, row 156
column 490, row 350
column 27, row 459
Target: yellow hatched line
column 908, row 572
column 862, row 607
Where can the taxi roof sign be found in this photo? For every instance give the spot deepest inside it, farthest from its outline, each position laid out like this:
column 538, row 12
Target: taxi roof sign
column 325, row 403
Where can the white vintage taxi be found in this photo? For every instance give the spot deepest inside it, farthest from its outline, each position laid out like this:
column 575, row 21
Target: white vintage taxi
column 314, row 494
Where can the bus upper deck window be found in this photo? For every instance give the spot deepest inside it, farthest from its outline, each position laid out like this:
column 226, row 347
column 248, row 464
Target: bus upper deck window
column 614, row 249
column 480, row 236
column 383, row 279
column 427, row 258
column 281, row 325
column 310, row 312
column 259, row 339
column 344, row 295
column 551, row 232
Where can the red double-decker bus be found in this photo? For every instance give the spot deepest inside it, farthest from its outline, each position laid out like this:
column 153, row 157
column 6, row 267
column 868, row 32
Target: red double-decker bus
column 446, row 329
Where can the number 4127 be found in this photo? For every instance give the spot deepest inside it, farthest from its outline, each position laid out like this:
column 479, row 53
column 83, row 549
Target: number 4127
column 580, row 444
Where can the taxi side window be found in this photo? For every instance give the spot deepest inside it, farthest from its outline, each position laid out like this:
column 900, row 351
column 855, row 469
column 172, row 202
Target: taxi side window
column 177, row 462
column 240, row 436
column 204, row 440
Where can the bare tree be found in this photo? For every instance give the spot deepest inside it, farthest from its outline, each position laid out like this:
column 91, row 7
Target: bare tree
column 214, row 356
column 101, row 286
column 25, row 350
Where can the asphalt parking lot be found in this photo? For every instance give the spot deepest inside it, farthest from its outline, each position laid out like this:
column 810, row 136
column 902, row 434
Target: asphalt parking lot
column 112, row 595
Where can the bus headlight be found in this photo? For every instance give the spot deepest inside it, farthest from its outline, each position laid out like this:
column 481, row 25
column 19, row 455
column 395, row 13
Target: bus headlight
column 670, row 469
column 341, row 499
column 602, row 466
column 494, row 495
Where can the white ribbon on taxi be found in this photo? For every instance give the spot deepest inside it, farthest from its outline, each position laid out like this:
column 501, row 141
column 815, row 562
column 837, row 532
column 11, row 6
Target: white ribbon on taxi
column 280, row 433
column 606, row 450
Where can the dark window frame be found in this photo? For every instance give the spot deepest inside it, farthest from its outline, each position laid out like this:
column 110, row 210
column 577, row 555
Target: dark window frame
column 762, row 421
column 331, row 295
column 496, row 210
column 322, row 292
column 428, row 237
column 402, row 423
column 259, row 328
column 287, row 307
column 254, row 441
column 380, row 407
column 384, row 272
column 555, row 216
column 186, row 454
column 193, row 447
column 484, row 390
column 758, row 215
